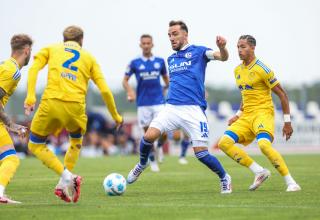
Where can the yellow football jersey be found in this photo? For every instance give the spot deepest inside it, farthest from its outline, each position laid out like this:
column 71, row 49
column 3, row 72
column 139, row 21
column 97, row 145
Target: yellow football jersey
column 69, row 70
column 9, row 77
column 255, row 82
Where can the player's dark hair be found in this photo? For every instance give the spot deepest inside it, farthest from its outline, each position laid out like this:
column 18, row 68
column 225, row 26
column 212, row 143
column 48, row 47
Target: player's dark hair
column 251, row 40
column 19, row 41
column 182, row 25
column 146, row 36
column 73, row 33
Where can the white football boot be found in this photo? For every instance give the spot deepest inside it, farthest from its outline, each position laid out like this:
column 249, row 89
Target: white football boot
column 259, row 179
column 225, row 184
column 154, row 166
column 293, row 187
column 6, row 200
column 183, row 161
column 135, row 173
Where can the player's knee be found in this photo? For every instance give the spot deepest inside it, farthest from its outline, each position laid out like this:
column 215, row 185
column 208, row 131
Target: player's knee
column 201, row 153
column 265, row 146
column 35, row 142
column 264, row 142
column 152, row 134
column 225, row 143
column 15, row 159
column 31, row 147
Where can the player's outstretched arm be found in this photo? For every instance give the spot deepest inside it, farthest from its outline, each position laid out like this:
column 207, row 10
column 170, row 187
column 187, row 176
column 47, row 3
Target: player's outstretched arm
column 131, row 95
column 222, row 54
column 40, row 60
column 98, row 79
column 108, row 99
column 287, row 128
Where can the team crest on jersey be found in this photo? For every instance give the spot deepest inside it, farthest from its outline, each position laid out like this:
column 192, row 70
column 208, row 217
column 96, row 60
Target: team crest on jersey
column 238, row 76
column 251, row 76
column 188, row 55
column 142, row 67
column 156, row 65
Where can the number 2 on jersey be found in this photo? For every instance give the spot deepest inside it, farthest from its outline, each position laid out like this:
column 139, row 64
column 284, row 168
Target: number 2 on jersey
column 68, row 63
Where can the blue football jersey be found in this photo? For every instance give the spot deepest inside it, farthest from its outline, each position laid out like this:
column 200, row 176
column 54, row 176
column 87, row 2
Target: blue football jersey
column 147, row 72
column 187, row 75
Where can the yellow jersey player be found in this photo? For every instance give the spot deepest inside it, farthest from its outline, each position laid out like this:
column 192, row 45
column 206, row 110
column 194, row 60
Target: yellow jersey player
column 255, row 119
column 63, row 105
column 9, row 78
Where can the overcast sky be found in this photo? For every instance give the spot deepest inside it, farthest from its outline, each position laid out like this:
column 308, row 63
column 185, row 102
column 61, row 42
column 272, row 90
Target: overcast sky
column 287, row 32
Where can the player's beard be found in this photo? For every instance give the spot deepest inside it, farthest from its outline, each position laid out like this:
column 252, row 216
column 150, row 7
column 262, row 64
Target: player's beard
column 27, row 59
column 177, row 48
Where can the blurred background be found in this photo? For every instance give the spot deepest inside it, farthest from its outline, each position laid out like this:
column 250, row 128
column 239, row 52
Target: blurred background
column 287, row 34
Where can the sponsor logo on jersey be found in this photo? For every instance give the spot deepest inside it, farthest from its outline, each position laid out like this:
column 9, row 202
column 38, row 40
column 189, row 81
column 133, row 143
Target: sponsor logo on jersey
column 69, row 76
column 179, row 66
column 149, row 75
column 245, row 87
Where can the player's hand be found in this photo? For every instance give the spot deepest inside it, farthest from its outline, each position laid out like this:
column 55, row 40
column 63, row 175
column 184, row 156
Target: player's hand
column 232, row 120
column 287, row 130
column 119, row 125
column 28, row 109
column 221, row 42
column 18, row 129
column 131, row 96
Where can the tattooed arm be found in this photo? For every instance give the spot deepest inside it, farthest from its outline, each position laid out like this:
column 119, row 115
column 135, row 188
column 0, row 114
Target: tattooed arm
column 20, row 130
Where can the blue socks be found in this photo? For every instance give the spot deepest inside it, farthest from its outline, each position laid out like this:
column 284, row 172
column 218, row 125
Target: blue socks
column 145, row 148
column 211, row 162
column 184, row 147
column 151, row 156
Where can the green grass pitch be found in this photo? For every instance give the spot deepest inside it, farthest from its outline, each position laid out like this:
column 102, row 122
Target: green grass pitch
column 177, row 192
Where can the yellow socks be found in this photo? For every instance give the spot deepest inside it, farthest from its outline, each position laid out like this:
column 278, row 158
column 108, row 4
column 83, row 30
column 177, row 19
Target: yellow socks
column 48, row 158
column 226, row 144
column 274, row 156
column 8, row 167
column 72, row 155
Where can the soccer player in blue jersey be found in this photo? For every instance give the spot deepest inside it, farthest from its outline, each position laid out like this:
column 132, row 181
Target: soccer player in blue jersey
column 186, row 102
column 150, row 99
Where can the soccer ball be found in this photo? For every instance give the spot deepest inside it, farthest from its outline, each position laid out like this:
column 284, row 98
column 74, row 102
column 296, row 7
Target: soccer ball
column 114, row 184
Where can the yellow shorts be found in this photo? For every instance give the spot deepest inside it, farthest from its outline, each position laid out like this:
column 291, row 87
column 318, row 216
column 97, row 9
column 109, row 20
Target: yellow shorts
column 54, row 114
column 5, row 138
column 248, row 126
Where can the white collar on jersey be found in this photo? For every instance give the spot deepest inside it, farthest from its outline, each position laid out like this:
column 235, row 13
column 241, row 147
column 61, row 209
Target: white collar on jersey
column 185, row 46
column 147, row 58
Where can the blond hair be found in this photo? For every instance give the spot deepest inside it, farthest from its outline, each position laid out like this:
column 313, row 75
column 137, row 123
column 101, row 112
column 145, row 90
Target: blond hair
column 73, row 33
